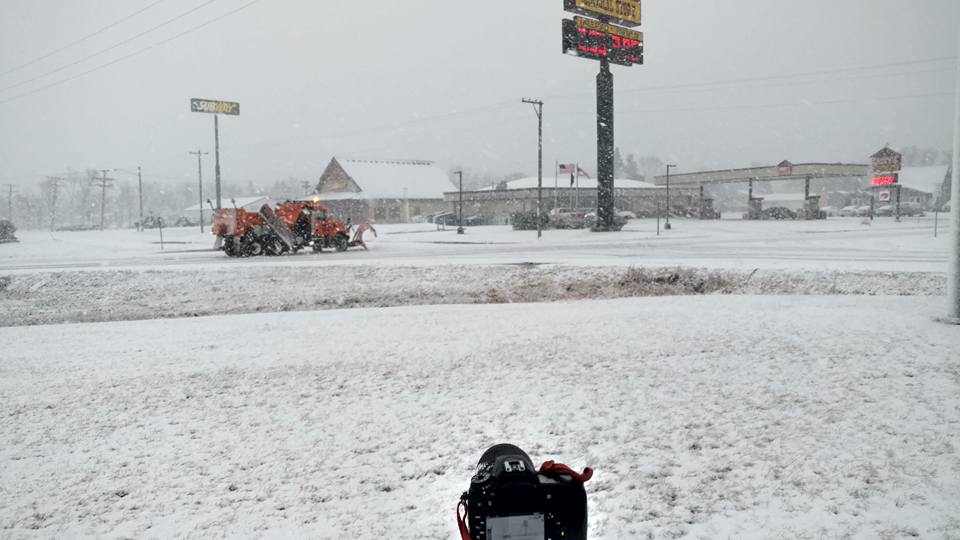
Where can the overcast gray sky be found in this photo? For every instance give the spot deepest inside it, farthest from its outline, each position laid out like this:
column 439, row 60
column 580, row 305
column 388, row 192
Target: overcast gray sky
column 442, row 80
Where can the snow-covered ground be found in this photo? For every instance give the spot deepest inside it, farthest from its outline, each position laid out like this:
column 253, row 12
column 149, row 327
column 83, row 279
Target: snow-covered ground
column 841, row 244
column 704, row 416
column 828, row 409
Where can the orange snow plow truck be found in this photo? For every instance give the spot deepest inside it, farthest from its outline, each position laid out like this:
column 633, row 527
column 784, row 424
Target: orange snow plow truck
column 293, row 226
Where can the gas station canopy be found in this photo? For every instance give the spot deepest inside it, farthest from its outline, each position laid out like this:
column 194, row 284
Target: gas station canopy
column 783, row 171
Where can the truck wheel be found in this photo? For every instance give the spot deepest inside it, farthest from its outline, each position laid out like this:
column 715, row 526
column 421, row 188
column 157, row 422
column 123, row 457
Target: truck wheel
column 341, row 242
column 273, row 246
column 231, row 247
column 253, row 248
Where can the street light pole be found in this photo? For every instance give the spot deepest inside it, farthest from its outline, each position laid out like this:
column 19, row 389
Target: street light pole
column 538, row 108
column 666, row 225
column 460, row 206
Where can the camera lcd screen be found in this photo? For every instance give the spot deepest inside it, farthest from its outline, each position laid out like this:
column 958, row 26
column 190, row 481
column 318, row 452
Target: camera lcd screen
column 523, row 527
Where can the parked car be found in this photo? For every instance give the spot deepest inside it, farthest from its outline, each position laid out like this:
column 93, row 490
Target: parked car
column 184, row 221
column 778, row 213
column 911, row 209
column 885, row 210
column 566, row 218
column 590, row 220
column 848, row 211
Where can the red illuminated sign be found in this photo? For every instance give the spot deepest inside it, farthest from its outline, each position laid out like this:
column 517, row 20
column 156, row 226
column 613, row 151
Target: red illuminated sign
column 884, row 180
column 589, row 40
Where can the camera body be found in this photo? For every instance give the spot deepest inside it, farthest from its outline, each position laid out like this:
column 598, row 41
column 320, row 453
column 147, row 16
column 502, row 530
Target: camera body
column 509, row 499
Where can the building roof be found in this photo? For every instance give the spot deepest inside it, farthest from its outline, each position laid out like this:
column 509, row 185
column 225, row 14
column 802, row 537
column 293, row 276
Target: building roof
column 252, row 204
column 564, row 182
column 926, row 179
column 376, row 179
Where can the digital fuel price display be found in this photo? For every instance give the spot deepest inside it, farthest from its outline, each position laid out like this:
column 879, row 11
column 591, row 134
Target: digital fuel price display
column 596, row 40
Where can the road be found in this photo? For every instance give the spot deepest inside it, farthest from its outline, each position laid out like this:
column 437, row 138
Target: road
column 841, row 244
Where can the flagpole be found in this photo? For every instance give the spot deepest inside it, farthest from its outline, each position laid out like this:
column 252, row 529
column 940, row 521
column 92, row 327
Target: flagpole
column 556, row 181
column 576, row 173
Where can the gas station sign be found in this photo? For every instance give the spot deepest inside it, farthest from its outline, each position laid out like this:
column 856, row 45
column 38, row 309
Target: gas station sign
column 597, row 41
column 886, row 161
column 884, row 180
column 625, row 12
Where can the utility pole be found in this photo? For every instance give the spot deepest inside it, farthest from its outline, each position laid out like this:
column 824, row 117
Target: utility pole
column 666, row 225
column 55, row 185
column 103, row 183
column 140, row 192
column 460, row 208
column 200, row 153
column 10, row 188
column 538, row 108
column 953, row 278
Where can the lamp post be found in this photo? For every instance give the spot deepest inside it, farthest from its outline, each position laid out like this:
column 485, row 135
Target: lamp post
column 666, row 225
column 460, row 206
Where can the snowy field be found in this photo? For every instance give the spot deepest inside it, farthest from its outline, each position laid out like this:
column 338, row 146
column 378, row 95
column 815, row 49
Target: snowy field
column 703, row 416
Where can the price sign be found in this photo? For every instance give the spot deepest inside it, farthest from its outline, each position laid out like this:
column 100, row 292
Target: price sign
column 596, row 40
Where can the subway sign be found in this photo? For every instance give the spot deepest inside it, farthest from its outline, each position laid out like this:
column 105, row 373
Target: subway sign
column 595, row 40
column 625, row 12
column 214, row 107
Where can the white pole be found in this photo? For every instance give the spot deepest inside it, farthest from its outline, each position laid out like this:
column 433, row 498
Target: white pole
column 953, row 278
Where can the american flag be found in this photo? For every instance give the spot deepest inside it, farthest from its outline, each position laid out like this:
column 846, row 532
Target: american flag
column 567, row 168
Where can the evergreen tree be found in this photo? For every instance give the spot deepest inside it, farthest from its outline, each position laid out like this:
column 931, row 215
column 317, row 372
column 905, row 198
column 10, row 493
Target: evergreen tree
column 631, row 169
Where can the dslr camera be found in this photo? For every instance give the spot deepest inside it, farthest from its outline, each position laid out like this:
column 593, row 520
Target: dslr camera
column 511, row 500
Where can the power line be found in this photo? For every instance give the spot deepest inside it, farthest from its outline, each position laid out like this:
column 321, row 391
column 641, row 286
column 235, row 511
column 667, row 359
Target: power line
column 131, row 55
column 110, row 48
column 81, row 40
column 776, row 105
column 768, row 78
column 505, row 104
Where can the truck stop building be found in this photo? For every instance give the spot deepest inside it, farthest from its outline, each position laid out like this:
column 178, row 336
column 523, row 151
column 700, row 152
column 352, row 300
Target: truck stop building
column 495, row 205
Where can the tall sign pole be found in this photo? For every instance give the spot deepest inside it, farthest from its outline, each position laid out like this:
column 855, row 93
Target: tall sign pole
column 953, row 278
column 216, row 108
column 605, row 147
column 216, row 144
column 599, row 38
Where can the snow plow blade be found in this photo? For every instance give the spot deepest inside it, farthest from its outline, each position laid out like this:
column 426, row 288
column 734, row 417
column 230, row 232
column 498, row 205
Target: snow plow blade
column 277, row 226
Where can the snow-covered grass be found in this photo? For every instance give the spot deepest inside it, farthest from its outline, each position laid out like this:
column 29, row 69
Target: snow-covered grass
column 163, row 292
column 703, row 416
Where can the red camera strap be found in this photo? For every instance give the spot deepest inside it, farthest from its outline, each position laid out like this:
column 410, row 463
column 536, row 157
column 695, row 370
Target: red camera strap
column 552, row 467
column 548, row 467
column 464, row 531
